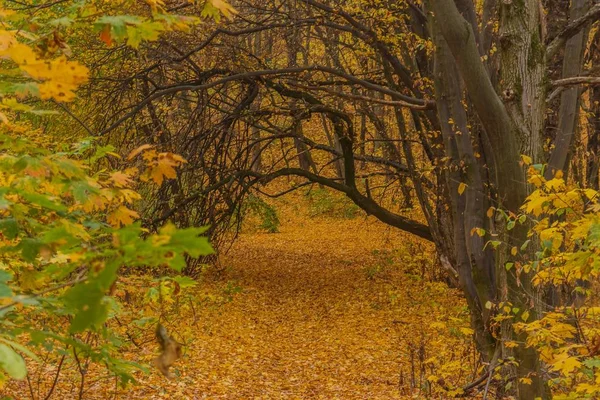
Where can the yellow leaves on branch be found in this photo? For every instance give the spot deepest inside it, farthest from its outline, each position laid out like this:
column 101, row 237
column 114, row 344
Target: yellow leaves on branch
column 553, row 195
column 57, row 79
column 526, row 159
column 565, row 363
column 554, row 235
column 160, row 165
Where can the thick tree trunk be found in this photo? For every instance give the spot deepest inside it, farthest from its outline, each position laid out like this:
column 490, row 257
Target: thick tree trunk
column 475, row 268
column 514, row 125
column 522, row 74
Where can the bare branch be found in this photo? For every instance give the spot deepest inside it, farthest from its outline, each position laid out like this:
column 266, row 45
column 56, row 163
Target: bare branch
column 571, row 30
column 577, row 80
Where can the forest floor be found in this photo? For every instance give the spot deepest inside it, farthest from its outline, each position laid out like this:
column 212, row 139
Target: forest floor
column 327, row 308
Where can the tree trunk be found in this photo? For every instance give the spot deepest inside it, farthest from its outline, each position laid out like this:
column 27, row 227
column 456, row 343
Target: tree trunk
column 514, row 125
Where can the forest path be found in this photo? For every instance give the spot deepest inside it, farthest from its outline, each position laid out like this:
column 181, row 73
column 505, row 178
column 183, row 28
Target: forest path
column 328, row 309
column 309, row 323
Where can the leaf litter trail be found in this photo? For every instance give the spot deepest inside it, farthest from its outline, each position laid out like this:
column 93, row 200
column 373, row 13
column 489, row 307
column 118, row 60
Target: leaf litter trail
column 309, row 317
column 309, row 323
column 328, row 309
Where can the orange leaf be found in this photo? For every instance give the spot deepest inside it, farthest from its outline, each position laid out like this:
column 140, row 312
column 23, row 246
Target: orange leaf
column 120, row 179
column 105, row 35
column 165, row 167
column 122, row 216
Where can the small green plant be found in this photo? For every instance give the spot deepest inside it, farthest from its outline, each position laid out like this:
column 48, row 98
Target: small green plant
column 372, row 271
column 325, row 203
column 269, row 221
column 230, row 290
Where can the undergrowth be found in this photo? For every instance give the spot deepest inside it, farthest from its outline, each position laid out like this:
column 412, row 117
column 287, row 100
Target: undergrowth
column 323, row 202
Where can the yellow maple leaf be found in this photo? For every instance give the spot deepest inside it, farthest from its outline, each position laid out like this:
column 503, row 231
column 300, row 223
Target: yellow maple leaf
column 128, row 195
column 94, row 202
column 120, row 179
column 466, row 331
column 565, row 364
column 581, row 228
column 164, row 167
column 59, row 77
column 526, row 159
column 535, row 203
column 149, row 156
column 461, row 187
column 555, row 184
column 122, row 216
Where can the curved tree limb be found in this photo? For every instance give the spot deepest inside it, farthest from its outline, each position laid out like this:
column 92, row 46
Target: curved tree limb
column 365, row 203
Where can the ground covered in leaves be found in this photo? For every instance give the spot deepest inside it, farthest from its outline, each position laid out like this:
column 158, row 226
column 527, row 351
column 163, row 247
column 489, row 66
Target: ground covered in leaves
column 327, row 308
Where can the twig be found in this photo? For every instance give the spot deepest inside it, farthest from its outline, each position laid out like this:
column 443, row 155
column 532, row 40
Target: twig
column 487, row 384
column 30, row 388
column 60, row 364
column 75, row 117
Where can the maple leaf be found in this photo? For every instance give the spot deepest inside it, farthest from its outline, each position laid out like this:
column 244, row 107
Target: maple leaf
column 122, row 216
column 149, row 156
column 59, row 77
column 144, row 31
column 525, row 381
column 566, row 364
column 165, row 167
column 536, row 203
column 214, row 9
column 129, row 196
column 120, row 179
column 526, row 159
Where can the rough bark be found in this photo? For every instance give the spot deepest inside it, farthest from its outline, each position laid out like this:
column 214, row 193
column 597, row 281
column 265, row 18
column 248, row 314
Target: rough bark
column 513, row 130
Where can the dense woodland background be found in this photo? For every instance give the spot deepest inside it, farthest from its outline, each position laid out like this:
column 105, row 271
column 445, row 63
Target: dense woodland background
column 441, row 152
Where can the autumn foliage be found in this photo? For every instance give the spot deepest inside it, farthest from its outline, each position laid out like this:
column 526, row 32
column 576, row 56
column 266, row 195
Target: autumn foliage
column 244, row 225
